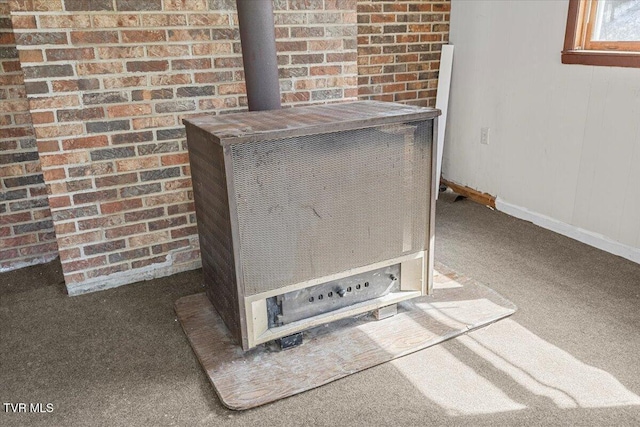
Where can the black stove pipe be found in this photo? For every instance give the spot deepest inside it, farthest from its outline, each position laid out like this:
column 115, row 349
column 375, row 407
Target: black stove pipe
column 257, row 35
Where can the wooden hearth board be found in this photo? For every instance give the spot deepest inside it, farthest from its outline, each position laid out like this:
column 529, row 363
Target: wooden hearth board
column 264, row 374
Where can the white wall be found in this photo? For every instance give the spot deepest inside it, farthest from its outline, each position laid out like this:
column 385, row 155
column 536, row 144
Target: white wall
column 564, row 139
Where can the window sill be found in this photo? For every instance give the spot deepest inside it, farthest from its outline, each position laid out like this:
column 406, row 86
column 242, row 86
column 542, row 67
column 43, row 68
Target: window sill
column 601, row 58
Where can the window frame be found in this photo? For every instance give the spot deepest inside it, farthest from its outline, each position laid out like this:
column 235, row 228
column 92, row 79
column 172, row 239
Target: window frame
column 594, row 52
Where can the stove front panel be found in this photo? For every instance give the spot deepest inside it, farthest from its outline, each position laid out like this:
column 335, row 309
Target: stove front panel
column 317, row 205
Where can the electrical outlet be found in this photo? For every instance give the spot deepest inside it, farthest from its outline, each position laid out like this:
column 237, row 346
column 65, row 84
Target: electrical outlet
column 484, row 136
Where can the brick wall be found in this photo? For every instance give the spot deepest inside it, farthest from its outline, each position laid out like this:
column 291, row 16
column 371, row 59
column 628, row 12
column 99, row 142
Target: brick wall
column 108, row 83
column 399, row 45
column 26, row 230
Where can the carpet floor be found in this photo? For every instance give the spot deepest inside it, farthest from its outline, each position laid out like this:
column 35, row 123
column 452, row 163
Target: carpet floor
column 568, row 356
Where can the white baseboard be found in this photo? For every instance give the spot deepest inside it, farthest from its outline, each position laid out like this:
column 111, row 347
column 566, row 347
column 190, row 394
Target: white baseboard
column 588, row 237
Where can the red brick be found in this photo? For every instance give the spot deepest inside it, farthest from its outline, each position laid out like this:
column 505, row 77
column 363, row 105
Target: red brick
column 183, row 232
column 58, row 130
column 12, row 170
column 383, row 98
column 126, row 230
column 64, row 159
column 301, row 45
column 36, row 192
column 178, row 184
column 69, row 54
column 42, row 117
column 65, row 228
column 165, row 199
column 165, row 51
column 84, row 264
column 88, row 68
column 43, row 214
column 382, row 59
column 54, row 102
column 40, row 249
column 59, row 201
column 128, row 110
column 232, row 88
column 403, row 96
column 104, row 247
column 147, row 66
column 407, row 38
column 47, row 236
column 115, row 21
column 31, row 56
column 170, row 79
column 114, row 180
column 75, row 20
column 81, row 114
column 93, row 37
column 54, row 174
column 175, row 159
column 16, row 132
column 441, row 7
column 214, row 77
column 186, row 256
column 14, row 242
column 94, row 196
column 137, row 163
column 215, row 48
column 169, row 246
column 297, row 96
column 120, row 206
column 143, row 36
column 200, row 34
column 75, row 85
column 114, row 52
column 67, row 254
column 148, row 261
column 9, row 254
column 128, row 81
column 191, row 64
column 189, row 5
column 167, row 223
column 103, row 221
column 149, row 238
column 154, row 122
column 396, row 87
column 79, row 185
column 143, row 214
column 23, row 22
column 420, row 7
column 127, row 255
column 71, row 278
column 79, row 238
column 11, row 66
column 204, row 19
column 93, row 169
column 85, row 142
column 98, row 272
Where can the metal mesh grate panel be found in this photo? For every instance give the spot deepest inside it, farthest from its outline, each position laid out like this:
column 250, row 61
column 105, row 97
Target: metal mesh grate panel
column 317, row 205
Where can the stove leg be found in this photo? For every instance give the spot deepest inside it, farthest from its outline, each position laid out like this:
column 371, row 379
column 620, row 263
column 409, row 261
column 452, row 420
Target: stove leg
column 387, row 311
column 290, row 341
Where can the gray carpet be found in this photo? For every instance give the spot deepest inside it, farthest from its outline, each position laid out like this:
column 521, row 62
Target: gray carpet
column 569, row 356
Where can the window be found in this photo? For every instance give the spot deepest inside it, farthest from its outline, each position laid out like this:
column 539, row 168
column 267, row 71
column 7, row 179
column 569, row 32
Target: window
column 603, row 32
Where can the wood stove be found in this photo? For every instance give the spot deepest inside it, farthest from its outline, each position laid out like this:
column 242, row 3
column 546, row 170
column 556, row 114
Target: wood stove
column 312, row 214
